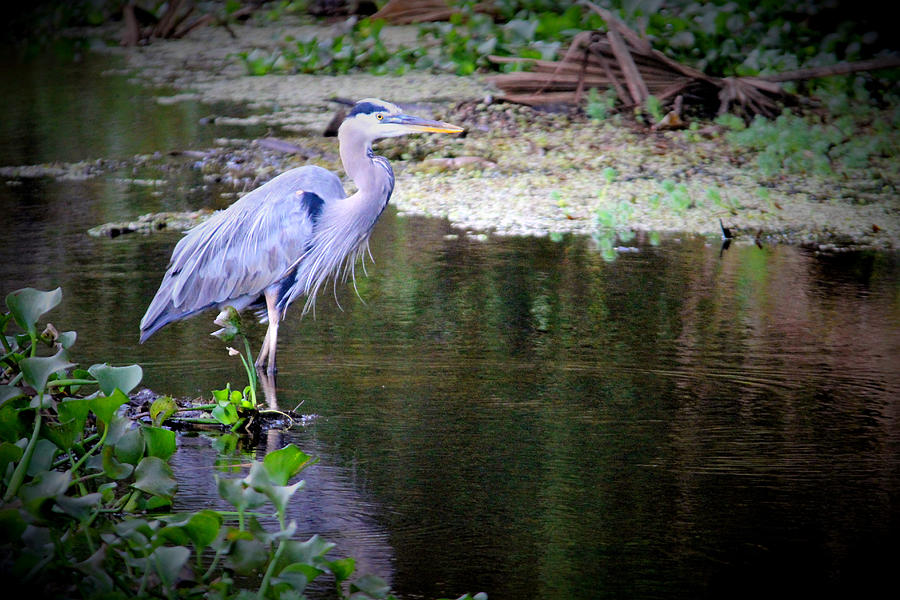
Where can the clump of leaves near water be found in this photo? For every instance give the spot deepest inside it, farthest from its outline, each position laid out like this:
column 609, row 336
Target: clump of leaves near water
column 612, row 221
column 813, row 145
column 360, row 48
column 460, row 45
column 80, row 482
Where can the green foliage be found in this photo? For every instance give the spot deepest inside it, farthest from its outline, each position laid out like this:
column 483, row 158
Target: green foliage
column 600, row 106
column 812, row 145
column 612, row 222
column 360, row 48
column 83, row 485
column 460, row 46
column 654, row 108
column 230, row 321
column 749, row 38
column 676, row 196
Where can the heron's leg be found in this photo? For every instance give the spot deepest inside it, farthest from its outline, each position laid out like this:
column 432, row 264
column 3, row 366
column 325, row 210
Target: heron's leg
column 263, row 351
column 267, row 352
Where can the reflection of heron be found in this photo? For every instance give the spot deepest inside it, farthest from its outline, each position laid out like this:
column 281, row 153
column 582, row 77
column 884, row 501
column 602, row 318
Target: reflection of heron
column 287, row 237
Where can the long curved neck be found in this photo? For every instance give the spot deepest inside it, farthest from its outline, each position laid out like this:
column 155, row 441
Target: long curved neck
column 342, row 231
column 372, row 174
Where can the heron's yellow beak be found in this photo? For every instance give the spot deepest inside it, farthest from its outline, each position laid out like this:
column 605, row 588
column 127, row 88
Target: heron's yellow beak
column 413, row 123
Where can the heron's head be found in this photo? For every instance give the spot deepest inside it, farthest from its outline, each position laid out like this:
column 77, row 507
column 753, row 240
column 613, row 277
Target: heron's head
column 374, row 119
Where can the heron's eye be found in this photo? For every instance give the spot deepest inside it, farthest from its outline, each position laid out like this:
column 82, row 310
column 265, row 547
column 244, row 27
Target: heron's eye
column 379, row 116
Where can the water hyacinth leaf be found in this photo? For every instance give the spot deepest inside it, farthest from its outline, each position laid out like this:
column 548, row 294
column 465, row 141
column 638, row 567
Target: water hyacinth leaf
column 342, row 568
column 63, row 434
column 74, row 410
column 28, row 304
column 38, row 539
column 283, row 534
column 92, row 567
column 280, row 495
column 80, row 507
column 106, row 406
column 116, row 428
column 154, row 503
column 260, row 480
column 109, row 378
column 308, row 571
column 173, row 534
column 9, row 392
column 231, row 490
column 36, row 370
column 234, row 534
column 81, row 374
column 226, row 414
column 11, row 428
column 200, row 528
column 161, row 409
column 155, row 477
column 112, row 467
column 236, row 493
column 137, row 530
column 9, row 454
column 130, row 447
column 160, row 442
column 293, row 578
column 310, row 552
column 108, row 491
column 12, row 525
column 67, row 339
column 42, row 459
column 42, row 401
column 168, row 561
column 371, row 585
column 283, row 464
column 45, row 486
column 247, row 555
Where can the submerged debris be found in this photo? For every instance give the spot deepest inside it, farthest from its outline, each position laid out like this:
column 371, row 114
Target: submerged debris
column 169, row 221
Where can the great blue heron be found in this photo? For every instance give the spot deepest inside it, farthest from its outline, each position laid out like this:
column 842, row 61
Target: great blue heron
column 285, row 239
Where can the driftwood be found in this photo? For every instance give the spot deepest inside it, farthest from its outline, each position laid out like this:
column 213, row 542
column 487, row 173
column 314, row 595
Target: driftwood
column 621, row 60
column 407, row 12
column 177, row 21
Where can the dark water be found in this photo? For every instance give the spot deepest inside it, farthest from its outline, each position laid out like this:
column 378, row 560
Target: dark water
column 519, row 416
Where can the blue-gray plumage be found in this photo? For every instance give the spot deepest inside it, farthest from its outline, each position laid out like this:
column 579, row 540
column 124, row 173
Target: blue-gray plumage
column 286, row 238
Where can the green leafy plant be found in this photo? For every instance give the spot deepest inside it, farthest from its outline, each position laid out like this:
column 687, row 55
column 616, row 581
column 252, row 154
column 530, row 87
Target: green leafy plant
column 612, row 222
column 258, row 62
column 230, row 322
column 654, row 108
column 600, row 106
column 677, row 196
column 83, row 486
column 811, row 145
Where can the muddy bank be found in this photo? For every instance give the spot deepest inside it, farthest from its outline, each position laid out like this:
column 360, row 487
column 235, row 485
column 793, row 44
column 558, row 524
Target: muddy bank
column 533, row 173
